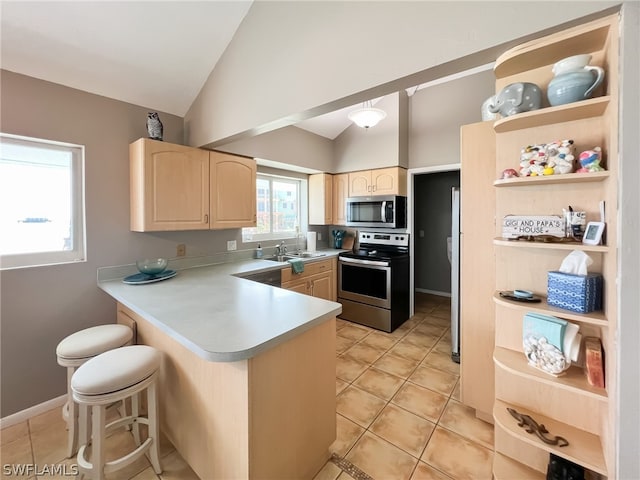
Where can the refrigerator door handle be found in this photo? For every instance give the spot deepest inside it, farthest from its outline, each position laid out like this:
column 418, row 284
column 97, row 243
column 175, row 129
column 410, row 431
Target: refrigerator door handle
column 455, row 274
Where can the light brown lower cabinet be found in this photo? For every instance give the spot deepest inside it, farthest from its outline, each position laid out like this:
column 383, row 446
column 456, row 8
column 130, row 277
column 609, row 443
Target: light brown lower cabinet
column 224, row 418
column 317, row 280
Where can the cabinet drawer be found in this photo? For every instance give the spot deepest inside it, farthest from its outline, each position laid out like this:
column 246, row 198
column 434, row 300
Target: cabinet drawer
column 310, row 268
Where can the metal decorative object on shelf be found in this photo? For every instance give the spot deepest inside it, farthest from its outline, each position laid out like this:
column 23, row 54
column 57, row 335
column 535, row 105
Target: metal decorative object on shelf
column 154, row 126
column 531, row 426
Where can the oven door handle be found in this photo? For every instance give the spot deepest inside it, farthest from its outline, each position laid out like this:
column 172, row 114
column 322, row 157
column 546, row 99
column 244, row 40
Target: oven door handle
column 378, row 263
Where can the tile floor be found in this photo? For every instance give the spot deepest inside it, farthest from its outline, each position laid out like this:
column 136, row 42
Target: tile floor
column 398, row 412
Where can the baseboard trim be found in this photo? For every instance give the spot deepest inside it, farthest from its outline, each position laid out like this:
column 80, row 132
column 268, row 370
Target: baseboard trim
column 433, row 292
column 31, row 412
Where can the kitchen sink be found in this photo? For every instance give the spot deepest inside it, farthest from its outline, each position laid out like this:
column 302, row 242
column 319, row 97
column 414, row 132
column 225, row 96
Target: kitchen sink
column 292, row 256
column 305, row 255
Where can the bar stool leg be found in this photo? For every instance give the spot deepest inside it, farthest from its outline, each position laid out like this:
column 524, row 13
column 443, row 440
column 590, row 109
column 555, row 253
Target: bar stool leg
column 152, row 416
column 135, row 413
column 97, row 443
column 71, row 417
column 84, row 425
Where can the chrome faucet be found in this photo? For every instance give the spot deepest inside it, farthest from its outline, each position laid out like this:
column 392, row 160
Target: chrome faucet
column 281, row 249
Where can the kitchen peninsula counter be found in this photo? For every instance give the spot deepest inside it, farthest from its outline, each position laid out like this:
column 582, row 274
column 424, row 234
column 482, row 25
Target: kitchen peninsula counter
column 215, row 313
column 247, row 385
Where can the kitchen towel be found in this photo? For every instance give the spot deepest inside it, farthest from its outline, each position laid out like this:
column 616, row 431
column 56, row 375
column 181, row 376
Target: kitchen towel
column 297, row 266
column 311, row 241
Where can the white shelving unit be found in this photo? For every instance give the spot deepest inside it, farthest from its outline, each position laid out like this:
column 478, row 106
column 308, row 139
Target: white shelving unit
column 567, row 405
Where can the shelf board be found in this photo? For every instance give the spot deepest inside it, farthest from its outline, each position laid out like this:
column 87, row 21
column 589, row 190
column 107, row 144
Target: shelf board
column 552, row 179
column 593, row 318
column 584, row 448
column 573, row 379
column 594, row 107
column 503, row 242
column 505, row 468
column 538, row 53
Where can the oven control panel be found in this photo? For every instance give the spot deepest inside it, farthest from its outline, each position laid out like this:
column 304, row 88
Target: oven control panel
column 379, row 238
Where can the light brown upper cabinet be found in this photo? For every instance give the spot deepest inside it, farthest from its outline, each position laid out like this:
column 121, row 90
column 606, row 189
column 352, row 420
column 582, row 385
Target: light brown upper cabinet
column 381, row 181
column 169, row 187
column 320, row 199
column 174, row 187
column 340, row 194
column 233, row 191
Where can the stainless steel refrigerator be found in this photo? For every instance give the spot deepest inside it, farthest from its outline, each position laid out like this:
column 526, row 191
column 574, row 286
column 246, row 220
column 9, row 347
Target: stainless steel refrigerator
column 455, row 274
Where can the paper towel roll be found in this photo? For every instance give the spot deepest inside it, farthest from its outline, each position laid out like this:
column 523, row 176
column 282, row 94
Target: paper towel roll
column 311, row 241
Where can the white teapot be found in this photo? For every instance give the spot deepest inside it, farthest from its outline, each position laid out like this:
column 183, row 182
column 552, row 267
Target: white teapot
column 574, row 80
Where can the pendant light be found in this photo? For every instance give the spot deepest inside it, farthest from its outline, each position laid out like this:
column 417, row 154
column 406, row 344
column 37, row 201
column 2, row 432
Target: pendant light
column 367, row 116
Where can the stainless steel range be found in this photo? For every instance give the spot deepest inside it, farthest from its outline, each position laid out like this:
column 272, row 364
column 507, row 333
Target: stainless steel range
column 373, row 281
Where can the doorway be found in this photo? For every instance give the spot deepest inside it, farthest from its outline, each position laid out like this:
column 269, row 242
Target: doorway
column 429, row 217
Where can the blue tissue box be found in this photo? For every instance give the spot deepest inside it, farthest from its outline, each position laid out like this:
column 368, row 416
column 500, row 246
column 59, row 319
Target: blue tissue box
column 577, row 293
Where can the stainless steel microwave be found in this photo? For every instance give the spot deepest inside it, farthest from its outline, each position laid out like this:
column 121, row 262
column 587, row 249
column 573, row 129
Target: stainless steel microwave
column 389, row 211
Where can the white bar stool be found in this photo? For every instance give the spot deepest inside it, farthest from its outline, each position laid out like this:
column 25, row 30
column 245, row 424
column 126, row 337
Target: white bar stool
column 111, row 377
column 75, row 350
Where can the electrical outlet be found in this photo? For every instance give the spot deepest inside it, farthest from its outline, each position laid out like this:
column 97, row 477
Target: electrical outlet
column 231, row 245
column 319, row 236
column 181, row 250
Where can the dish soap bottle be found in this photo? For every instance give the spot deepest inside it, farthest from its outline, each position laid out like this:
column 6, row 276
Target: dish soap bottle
column 259, row 251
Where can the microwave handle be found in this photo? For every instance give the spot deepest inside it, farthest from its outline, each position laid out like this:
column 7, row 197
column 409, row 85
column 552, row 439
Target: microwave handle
column 383, row 211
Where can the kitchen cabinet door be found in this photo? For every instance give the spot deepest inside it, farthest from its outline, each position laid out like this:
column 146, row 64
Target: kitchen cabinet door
column 169, row 187
column 389, row 181
column 320, row 199
column 340, row 194
column 360, row 183
column 381, row 181
column 300, row 286
column 233, row 191
column 322, row 287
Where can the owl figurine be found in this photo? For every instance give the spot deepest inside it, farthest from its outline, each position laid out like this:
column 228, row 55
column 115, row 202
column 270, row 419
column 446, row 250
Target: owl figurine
column 154, row 126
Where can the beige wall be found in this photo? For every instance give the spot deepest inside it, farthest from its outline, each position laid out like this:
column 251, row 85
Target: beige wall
column 289, row 145
column 438, row 112
column 384, row 145
column 289, row 60
column 40, row 306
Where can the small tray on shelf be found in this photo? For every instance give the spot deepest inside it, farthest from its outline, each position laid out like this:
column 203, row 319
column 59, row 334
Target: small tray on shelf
column 593, row 318
column 510, row 295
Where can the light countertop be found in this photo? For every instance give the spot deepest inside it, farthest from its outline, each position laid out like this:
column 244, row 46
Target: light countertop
column 215, row 313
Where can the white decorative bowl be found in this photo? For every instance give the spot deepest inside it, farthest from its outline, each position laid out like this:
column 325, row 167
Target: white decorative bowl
column 152, row 266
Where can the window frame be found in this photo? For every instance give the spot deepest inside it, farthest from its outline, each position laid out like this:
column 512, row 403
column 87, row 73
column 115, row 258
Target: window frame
column 78, row 219
column 302, row 210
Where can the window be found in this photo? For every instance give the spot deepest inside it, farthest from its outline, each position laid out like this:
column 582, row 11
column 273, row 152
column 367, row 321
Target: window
column 41, row 202
column 281, row 205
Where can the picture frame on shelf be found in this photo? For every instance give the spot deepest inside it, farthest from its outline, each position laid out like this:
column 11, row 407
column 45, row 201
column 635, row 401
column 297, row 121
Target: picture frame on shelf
column 593, row 233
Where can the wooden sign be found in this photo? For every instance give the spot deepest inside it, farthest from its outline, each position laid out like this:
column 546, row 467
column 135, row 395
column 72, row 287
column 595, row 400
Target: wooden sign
column 516, row 226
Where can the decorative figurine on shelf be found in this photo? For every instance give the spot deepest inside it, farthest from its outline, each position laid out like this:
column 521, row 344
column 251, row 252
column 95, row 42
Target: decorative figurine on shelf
column 590, row 161
column 154, row 126
column 517, row 98
column 560, row 156
column 554, row 158
column 509, row 173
